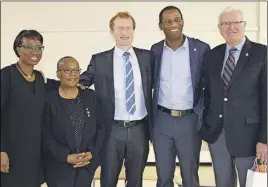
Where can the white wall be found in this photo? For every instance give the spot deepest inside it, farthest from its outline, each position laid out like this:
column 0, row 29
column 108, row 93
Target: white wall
column 82, row 29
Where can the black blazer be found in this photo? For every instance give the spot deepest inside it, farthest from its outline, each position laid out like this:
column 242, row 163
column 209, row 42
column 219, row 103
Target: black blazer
column 59, row 139
column 100, row 73
column 241, row 109
column 197, row 51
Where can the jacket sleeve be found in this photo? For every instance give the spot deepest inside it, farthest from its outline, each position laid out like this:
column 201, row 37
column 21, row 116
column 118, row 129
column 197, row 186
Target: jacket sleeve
column 87, row 77
column 5, row 89
column 262, row 136
column 99, row 138
column 60, row 152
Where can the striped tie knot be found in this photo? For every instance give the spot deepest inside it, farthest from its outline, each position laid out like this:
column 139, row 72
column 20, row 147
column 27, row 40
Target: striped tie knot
column 232, row 50
column 126, row 54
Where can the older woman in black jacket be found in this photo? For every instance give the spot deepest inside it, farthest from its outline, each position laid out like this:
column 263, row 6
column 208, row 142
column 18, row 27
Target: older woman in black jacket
column 73, row 137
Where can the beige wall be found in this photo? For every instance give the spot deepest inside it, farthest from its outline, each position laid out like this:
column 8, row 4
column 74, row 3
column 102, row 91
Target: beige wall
column 81, row 29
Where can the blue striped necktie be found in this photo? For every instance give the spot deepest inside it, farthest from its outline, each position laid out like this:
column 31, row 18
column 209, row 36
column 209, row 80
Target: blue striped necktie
column 130, row 92
column 229, row 68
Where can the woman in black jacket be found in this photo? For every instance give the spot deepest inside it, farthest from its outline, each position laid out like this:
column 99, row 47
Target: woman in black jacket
column 73, row 137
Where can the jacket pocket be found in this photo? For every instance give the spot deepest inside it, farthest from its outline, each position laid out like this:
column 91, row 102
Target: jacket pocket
column 252, row 119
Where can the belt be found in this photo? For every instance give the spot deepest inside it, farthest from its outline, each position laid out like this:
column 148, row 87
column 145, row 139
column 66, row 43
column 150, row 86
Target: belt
column 122, row 123
column 175, row 113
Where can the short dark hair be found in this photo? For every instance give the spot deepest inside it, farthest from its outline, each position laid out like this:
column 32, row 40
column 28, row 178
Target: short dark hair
column 166, row 9
column 61, row 61
column 29, row 34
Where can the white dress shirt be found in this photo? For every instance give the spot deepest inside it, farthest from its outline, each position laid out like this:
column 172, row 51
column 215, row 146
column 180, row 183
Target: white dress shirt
column 120, row 88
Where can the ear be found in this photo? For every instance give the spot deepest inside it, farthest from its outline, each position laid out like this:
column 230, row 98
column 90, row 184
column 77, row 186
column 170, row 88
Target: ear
column 58, row 74
column 18, row 50
column 160, row 25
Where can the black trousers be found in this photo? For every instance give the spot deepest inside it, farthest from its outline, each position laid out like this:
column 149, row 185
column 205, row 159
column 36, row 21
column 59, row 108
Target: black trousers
column 129, row 145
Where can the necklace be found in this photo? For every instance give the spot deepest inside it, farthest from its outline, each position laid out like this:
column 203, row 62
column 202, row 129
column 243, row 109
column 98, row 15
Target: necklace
column 28, row 76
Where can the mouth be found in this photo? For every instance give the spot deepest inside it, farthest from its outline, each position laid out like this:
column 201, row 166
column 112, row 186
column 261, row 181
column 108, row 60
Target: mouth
column 232, row 33
column 174, row 30
column 34, row 58
column 124, row 38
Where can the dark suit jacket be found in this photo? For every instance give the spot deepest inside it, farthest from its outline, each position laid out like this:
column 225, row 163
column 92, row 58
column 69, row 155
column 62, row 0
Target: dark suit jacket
column 244, row 110
column 59, row 142
column 100, row 73
column 197, row 50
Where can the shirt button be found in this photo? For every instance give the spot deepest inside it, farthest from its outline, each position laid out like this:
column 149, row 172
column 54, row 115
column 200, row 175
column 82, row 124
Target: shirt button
column 220, row 116
column 225, row 99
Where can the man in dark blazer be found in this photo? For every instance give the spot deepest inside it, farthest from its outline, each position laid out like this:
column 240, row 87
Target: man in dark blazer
column 73, row 136
column 177, row 100
column 235, row 116
column 123, row 85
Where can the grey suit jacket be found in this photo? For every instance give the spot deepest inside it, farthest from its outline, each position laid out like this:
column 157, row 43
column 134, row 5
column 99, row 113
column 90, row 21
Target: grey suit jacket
column 197, row 50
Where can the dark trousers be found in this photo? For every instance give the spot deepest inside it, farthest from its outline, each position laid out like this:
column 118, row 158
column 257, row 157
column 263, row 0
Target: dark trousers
column 176, row 136
column 225, row 165
column 129, row 145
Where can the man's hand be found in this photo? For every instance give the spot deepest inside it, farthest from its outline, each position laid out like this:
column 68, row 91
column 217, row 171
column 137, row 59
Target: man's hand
column 82, row 86
column 261, row 152
column 87, row 158
column 4, row 162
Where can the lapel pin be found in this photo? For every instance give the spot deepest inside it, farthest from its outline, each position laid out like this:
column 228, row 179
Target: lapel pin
column 194, row 49
column 246, row 54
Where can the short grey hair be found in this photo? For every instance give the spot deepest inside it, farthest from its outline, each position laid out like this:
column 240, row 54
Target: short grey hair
column 230, row 9
column 61, row 61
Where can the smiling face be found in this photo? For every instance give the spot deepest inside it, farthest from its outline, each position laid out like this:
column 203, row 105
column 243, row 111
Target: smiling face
column 69, row 73
column 232, row 27
column 30, row 51
column 122, row 32
column 172, row 24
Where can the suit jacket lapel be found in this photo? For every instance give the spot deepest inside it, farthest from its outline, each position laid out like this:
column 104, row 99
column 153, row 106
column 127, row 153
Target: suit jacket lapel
column 142, row 66
column 242, row 61
column 159, row 53
column 193, row 61
column 217, row 67
column 110, row 72
column 88, row 112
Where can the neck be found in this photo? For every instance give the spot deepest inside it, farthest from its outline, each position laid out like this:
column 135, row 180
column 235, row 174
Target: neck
column 68, row 92
column 28, row 69
column 175, row 43
column 125, row 48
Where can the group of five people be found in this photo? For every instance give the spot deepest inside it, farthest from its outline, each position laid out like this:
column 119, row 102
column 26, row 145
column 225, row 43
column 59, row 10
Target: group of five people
column 174, row 95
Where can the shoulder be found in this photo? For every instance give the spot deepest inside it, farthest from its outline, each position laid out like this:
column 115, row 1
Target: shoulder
column 103, row 53
column 259, row 47
column 158, row 44
column 87, row 95
column 198, row 42
column 6, row 70
column 217, row 49
column 140, row 50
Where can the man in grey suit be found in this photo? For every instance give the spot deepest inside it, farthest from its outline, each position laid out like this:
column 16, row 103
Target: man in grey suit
column 177, row 100
column 123, row 85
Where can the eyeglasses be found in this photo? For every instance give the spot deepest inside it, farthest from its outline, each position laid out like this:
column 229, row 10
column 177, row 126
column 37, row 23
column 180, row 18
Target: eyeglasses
column 69, row 71
column 33, row 48
column 227, row 24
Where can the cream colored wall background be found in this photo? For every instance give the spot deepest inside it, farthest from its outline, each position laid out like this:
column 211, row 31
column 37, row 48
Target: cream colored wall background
column 81, row 29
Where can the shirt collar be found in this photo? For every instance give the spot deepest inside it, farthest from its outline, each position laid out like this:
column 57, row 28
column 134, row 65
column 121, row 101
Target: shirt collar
column 238, row 46
column 184, row 45
column 120, row 52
